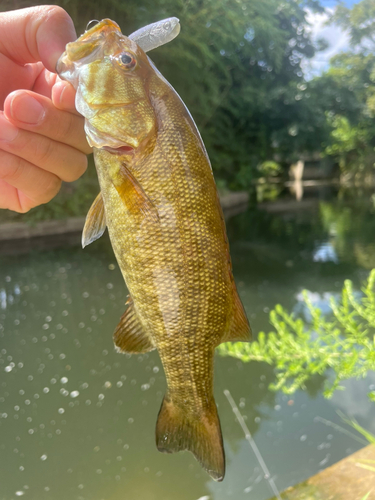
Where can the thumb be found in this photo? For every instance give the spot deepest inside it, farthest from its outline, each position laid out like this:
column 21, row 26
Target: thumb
column 36, row 34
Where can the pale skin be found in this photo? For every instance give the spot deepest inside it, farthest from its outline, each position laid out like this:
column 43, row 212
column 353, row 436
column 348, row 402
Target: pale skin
column 42, row 140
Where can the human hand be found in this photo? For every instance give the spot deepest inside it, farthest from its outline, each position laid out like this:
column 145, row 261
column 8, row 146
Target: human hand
column 42, row 140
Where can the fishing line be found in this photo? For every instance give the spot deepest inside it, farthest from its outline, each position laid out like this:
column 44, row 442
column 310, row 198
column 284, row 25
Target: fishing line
column 253, row 445
column 93, row 22
column 340, row 429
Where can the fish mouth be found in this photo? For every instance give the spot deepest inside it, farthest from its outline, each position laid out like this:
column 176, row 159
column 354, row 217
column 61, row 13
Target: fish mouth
column 103, row 25
column 121, row 150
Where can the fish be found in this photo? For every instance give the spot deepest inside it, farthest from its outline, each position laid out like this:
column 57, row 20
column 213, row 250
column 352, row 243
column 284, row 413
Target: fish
column 159, row 201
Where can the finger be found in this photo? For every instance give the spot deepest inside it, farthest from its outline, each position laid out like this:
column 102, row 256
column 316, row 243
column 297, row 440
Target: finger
column 21, row 76
column 64, row 161
column 43, row 83
column 36, row 113
column 36, row 34
column 10, row 199
column 63, row 96
column 23, row 185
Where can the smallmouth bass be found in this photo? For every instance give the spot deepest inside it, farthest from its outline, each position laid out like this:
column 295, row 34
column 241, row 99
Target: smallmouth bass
column 159, row 201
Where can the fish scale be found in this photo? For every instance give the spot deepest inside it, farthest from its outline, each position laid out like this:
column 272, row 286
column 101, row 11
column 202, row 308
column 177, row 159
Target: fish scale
column 166, row 228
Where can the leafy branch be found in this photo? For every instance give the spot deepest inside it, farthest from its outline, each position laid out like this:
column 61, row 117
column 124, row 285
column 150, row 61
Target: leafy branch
column 343, row 344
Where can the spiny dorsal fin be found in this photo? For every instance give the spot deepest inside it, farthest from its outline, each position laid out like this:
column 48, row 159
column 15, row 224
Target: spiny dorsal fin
column 240, row 330
column 133, row 195
column 129, row 335
column 95, row 223
column 178, row 429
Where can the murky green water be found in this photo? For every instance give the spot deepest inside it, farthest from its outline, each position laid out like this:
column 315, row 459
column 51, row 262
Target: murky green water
column 77, row 419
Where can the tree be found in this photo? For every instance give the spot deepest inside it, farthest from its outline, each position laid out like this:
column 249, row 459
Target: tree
column 347, row 92
column 359, row 22
column 237, row 65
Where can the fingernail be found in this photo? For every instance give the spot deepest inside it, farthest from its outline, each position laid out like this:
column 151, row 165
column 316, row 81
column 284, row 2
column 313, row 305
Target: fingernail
column 8, row 132
column 26, row 109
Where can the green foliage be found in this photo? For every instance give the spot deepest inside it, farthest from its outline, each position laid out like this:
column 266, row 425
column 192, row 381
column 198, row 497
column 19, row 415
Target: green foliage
column 269, row 169
column 359, row 22
column 237, row 65
column 365, row 433
column 351, row 145
column 344, row 344
column 267, row 190
column 346, row 137
column 367, row 495
column 347, row 92
column 350, row 222
column 363, row 463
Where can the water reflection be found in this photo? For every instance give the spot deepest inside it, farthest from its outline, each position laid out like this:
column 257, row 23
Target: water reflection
column 325, row 252
column 354, row 403
column 77, row 419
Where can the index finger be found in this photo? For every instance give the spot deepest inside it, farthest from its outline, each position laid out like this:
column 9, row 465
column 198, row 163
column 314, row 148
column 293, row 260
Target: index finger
column 36, row 34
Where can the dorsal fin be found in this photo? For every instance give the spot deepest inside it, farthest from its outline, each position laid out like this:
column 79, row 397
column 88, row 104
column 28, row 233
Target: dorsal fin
column 129, row 335
column 240, row 330
column 95, row 223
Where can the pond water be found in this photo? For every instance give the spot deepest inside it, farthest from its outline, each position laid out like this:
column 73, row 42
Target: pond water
column 77, row 419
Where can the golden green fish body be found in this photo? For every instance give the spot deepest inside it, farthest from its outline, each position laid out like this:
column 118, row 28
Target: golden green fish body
column 167, row 231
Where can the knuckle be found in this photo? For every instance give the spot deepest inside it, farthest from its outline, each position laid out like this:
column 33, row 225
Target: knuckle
column 44, row 151
column 57, row 12
column 67, row 128
column 11, row 168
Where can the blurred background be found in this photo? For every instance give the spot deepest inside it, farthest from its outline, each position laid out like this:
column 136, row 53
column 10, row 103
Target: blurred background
column 268, row 83
column 283, row 93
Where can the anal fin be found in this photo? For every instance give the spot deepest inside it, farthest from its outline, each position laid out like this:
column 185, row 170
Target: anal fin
column 95, row 222
column 240, row 330
column 129, row 335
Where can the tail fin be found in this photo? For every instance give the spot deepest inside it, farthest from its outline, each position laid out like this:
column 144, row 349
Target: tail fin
column 177, row 430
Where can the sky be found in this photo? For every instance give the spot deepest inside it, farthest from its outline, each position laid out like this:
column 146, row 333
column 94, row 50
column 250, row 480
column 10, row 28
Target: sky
column 332, row 3
column 338, row 40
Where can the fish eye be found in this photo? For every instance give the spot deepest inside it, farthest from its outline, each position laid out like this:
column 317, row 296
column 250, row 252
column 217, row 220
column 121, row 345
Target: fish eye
column 127, row 60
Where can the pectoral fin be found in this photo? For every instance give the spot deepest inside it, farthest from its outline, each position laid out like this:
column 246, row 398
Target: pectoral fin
column 129, row 335
column 133, row 195
column 95, row 223
column 240, row 330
